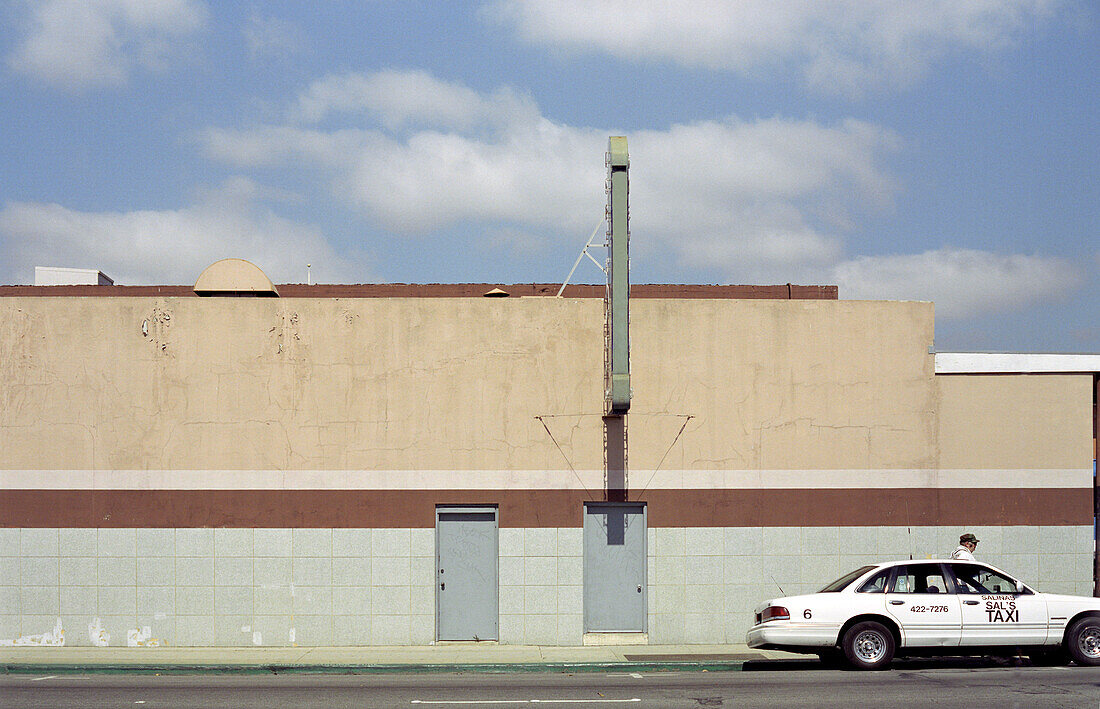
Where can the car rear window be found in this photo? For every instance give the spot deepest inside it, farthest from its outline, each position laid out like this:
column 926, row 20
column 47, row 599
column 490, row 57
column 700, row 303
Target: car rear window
column 875, row 584
column 841, row 583
column 919, row 578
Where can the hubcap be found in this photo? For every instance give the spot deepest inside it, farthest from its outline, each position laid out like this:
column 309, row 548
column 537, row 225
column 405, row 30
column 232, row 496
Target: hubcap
column 1089, row 641
column 870, row 646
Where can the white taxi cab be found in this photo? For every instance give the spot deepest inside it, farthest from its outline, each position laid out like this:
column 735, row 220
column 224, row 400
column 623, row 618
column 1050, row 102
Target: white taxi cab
column 937, row 607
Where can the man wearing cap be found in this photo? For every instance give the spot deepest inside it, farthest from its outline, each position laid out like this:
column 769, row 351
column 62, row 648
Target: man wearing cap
column 967, row 544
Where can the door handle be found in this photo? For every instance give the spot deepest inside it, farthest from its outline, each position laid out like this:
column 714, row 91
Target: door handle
column 442, row 586
column 971, row 603
column 897, row 603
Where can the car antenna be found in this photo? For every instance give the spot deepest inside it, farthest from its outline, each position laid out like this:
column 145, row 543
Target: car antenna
column 909, row 529
column 777, row 584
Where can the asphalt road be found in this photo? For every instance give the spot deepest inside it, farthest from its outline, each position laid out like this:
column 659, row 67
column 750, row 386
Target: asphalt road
column 807, row 684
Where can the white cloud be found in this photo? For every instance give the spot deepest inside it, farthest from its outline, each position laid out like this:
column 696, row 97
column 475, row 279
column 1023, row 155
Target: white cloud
column 757, row 201
column 533, row 175
column 837, row 45
column 157, row 247
column 403, row 98
column 79, row 44
column 737, row 193
column 962, row 282
column 271, row 37
column 272, row 145
column 494, row 159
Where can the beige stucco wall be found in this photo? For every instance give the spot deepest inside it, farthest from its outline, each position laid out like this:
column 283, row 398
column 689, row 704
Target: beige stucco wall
column 457, row 383
column 782, row 384
column 242, row 383
column 1015, row 421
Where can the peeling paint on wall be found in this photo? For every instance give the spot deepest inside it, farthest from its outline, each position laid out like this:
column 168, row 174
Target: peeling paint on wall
column 158, row 321
column 97, row 635
column 141, row 637
column 257, row 638
column 54, row 638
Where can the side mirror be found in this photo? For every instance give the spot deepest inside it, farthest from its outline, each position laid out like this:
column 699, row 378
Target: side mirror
column 1020, row 588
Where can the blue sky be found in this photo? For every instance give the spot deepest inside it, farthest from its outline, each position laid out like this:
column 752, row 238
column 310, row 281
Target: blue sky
column 945, row 150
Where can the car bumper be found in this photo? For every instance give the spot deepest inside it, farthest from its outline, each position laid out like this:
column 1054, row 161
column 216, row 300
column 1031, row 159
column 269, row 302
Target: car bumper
column 780, row 635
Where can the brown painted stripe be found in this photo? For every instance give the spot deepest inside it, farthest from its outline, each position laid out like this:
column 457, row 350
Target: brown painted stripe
column 543, row 508
column 278, row 508
column 450, row 290
column 869, row 507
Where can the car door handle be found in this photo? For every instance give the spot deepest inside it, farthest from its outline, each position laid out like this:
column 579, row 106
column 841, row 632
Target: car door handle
column 971, row 603
column 897, row 603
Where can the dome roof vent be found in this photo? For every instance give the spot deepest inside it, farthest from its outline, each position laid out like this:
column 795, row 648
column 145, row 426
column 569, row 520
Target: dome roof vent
column 235, row 277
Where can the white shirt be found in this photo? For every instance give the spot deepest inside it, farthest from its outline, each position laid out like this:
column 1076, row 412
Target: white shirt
column 963, row 554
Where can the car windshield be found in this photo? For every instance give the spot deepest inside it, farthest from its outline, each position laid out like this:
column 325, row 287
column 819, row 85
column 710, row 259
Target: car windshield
column 841, row 583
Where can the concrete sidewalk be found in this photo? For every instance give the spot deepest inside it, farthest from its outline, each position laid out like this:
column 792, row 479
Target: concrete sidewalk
column 448, row 657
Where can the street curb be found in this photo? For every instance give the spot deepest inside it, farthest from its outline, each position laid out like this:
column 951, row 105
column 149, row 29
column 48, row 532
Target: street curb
column 380, row 668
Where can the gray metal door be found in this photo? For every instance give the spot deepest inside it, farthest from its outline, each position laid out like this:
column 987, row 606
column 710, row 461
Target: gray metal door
column 614, row 567
column 466, row 573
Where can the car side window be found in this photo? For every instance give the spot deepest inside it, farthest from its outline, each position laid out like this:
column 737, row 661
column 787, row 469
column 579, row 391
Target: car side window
column 919, row 578
column 979, row 579
column 876, row 584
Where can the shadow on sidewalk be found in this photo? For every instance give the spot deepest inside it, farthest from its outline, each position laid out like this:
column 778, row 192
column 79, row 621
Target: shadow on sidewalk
column 906, row 663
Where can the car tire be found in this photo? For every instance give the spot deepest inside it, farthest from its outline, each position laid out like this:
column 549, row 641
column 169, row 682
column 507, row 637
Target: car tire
column 1083, row 641
column 868, row 646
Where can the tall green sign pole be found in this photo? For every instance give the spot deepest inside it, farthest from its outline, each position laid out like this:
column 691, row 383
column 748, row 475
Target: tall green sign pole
column 618, row 277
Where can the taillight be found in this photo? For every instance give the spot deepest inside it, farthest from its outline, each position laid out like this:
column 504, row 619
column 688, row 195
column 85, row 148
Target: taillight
column 774, row 613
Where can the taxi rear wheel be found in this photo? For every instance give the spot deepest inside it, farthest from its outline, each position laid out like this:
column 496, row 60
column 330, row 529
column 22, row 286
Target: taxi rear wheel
column 868, row 646
column 1083, row 641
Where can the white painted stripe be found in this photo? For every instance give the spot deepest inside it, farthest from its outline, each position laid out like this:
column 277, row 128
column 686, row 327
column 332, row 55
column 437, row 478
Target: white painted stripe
column 524, row 701
column 537, row 479
column 1015, row 363
column 585, row 701
column 39, row 679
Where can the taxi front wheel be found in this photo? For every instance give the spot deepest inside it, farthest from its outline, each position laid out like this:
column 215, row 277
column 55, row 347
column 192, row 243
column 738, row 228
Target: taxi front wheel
column 1083, row 641
column 868, row 646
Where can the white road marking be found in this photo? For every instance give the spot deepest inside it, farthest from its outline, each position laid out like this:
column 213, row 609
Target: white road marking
column 39, row 679
column 584, row 701
column 524, row 701
column 469, row 701
column 636, row 675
